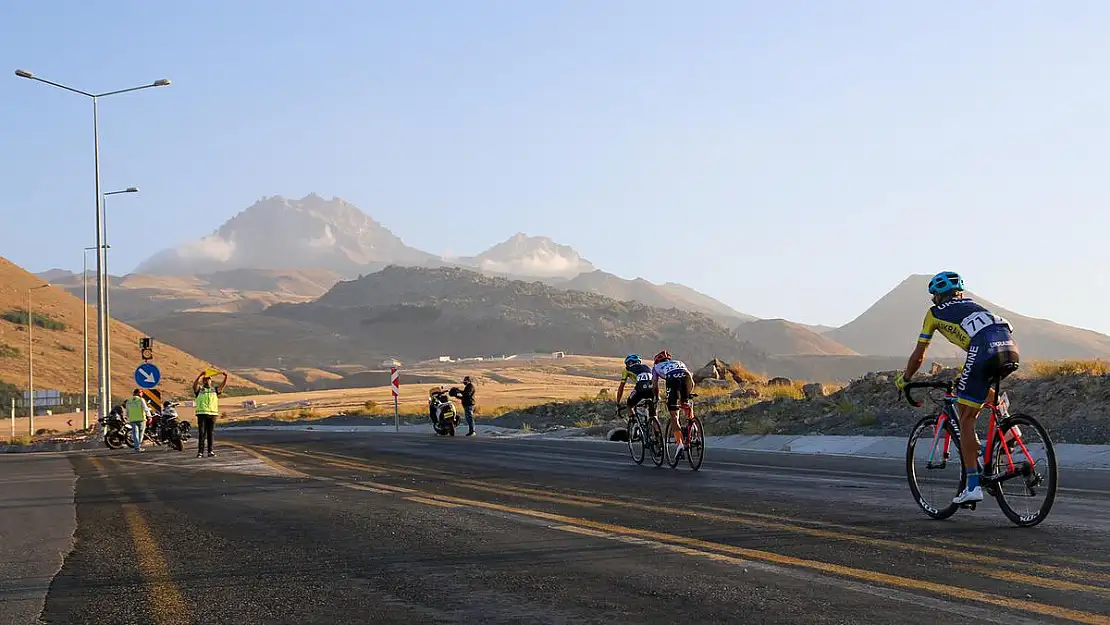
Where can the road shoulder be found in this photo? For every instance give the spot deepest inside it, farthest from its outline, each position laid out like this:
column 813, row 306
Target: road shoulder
column 37, row 523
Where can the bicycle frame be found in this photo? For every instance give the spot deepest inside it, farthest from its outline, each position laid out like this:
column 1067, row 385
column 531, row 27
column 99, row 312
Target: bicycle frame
column 995, row 435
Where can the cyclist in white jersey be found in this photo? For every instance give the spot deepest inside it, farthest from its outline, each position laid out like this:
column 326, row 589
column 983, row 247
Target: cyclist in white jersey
column 680, row 384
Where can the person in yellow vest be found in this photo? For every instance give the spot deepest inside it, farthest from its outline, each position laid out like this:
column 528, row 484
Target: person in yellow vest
column 137, row 413
column 207, row 407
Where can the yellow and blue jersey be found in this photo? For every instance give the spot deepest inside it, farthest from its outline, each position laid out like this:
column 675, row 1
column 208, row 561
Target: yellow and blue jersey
column 959, row 320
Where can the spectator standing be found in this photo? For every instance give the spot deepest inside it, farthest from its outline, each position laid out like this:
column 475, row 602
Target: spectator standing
column 137, row 413
column 207, row 408
column 466, row 396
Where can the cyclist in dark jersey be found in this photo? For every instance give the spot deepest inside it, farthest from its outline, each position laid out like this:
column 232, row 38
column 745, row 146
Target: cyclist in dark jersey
column 639, row 375
column 988, row 340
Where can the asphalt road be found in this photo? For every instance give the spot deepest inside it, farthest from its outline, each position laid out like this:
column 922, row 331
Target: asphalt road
column 301, row 527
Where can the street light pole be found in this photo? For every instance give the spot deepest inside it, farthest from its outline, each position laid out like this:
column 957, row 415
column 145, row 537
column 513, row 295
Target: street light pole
column 108, row 288
column 31, row 362
column 103, row 372
column 85, row 319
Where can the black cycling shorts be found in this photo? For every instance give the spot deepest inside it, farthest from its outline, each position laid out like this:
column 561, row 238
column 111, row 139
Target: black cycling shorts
column 679, row 387
column 642, row 391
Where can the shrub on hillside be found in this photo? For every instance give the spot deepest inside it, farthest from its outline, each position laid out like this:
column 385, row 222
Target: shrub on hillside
column 7, row 351
column 18, row 316
column 1056, row 368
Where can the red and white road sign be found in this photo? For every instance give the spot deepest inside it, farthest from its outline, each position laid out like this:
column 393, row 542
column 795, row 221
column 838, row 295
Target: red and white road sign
column 394, row 381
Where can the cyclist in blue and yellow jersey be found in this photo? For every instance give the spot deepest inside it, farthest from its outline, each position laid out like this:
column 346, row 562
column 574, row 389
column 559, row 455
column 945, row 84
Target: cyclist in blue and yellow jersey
column 680, row 385
column 988, row 340
column 639, row 375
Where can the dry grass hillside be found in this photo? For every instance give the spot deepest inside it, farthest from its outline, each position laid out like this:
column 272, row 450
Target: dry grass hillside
column 58, row 342
column 502, row 385
column 782, row 337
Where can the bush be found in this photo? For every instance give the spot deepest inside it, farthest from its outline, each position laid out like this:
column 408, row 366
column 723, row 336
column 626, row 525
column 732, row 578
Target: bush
column 7, row 351
column 777, row 392
column 1057, row 368
column 18, row 316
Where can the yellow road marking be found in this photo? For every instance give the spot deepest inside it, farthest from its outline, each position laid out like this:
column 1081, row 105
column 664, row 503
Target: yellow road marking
column 953, row 554
column 369, row 488
column 432, row 502
column 1021, row 578
column 767, row 556
column 165, row 600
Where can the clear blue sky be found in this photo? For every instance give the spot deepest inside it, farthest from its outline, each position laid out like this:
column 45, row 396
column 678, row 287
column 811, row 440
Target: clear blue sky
column 794, row 159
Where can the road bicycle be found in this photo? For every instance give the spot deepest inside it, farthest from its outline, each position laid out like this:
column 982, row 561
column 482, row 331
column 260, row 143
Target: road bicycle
column 692, row 433
column 1006, row 460
column 644, row 432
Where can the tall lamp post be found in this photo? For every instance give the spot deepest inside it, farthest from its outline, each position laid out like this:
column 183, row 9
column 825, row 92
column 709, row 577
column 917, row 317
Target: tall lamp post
column 102, row 319
column 31, row 361
column 108, row 291
column 85, row 319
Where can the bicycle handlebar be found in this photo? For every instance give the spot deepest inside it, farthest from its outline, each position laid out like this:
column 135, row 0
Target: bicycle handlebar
column 946, row 386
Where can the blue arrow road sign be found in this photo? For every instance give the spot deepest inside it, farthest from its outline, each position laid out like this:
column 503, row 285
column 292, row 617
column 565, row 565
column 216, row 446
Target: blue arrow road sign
column 147, row 375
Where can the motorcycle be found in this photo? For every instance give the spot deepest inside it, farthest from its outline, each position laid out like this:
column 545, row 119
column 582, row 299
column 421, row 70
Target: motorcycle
column 447, row 417
column 117, row 431
column 165, row 427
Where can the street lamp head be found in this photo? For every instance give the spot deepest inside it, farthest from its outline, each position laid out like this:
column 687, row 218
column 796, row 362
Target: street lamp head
column 131, row 190
column 22, row 73
column 162, row 82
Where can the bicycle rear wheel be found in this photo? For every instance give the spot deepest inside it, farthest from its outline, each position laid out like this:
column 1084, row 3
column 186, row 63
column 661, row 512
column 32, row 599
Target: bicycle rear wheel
column 655, row 442
column 1034, row 472
column 934, row 478
column 636, row 442
column 695, row 444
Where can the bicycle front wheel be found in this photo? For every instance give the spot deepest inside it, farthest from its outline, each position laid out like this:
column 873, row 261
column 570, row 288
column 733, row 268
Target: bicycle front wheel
column 934, row 467
column 695, row 444
column 636, row 442
column 1028, row 491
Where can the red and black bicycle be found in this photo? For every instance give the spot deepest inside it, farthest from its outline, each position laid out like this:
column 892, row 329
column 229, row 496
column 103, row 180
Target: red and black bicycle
column 1017, row 463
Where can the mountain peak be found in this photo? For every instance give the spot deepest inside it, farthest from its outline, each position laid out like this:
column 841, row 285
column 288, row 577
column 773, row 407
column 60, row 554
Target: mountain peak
column 281, row 233
column 531, row 256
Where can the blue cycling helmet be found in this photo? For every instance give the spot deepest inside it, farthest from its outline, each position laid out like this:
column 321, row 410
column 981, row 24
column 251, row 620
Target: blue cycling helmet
column 946, row 282
column 631, row 359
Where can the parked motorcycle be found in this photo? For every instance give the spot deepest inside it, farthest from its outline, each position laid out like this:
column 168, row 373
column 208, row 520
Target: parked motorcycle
column 446, row 419
column 116, row 429
column 165, row 427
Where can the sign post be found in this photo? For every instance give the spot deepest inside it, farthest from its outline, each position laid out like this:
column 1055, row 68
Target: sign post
column 13, row 417
column 395, row 385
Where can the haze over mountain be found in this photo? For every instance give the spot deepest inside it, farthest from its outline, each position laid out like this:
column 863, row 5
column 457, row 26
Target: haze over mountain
column 525, row 256
column 312, row 234
column 140, row 296
column 782, row 337
column 280, row 233
column 891, row 325
column 288, row 251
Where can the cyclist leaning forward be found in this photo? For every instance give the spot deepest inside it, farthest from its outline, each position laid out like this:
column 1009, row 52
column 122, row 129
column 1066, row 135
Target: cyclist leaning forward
column 680, row 384
column 639, row 374
column 987, row 339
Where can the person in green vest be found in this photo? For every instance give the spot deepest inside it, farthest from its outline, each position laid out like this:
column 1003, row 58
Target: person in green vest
column 137, row 412
column 207, row 407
